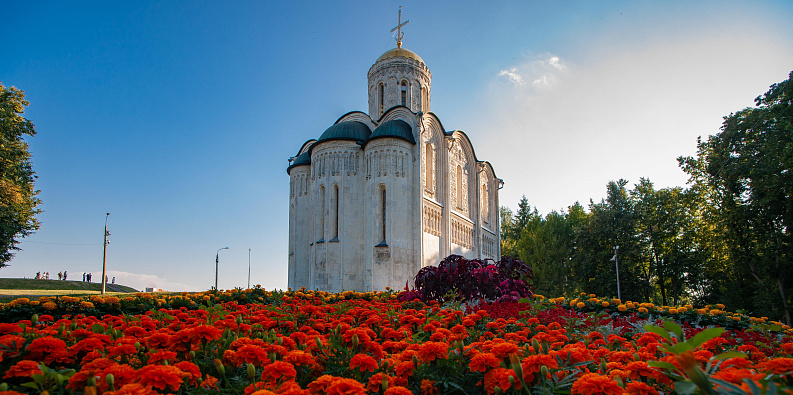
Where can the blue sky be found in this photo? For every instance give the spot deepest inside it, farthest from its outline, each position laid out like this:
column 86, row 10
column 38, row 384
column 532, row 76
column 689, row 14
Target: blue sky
column 178, row 117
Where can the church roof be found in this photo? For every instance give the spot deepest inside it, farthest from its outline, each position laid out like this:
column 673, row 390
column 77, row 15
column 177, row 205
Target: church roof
column 351, row 130
column 395, row 128
column 399, row 52
column 301, row 160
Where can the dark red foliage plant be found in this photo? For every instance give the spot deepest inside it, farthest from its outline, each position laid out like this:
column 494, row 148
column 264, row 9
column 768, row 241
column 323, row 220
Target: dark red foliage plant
column 470, row 279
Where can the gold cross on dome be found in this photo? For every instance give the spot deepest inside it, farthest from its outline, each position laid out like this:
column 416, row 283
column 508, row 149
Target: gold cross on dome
column 400, row 35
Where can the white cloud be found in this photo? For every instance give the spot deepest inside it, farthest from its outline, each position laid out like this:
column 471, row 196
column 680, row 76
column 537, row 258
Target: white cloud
column 513, row 76
column 620, row 112
column 543, row 71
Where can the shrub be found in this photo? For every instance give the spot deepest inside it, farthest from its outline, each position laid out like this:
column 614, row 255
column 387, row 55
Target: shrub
column 460, row 278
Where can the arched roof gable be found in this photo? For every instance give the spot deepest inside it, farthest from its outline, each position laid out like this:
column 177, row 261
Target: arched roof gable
column 305, row 147
column 359, row 116
column 433, row 123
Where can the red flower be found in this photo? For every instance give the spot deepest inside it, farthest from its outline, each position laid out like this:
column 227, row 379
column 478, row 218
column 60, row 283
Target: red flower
column 251, row 354
column 277, row 370
column 503, row 350
column 397, row 391
column 363, row 362
column 23, row 369
column 429, row 351
column 161, row 376
column 639, row 388
column 132, row 389
column 341, row 386
column 483, row 361
column 593, row 383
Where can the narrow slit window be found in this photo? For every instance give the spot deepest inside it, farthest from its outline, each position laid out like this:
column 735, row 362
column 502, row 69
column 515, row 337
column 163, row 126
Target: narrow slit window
column 383, row 207
column 459, row 186
column 321, row 229
column 381, row 96
column 336, row 219
column 404, row 93
column 430, row 162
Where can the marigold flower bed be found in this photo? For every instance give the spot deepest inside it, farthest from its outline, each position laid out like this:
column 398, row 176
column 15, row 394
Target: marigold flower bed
column 258, row 342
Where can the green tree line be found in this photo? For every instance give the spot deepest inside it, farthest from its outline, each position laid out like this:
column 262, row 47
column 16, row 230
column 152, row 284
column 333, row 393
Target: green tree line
column 724, row 238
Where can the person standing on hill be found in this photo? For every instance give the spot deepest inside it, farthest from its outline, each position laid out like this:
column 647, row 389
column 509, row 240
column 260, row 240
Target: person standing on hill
column 64, row 275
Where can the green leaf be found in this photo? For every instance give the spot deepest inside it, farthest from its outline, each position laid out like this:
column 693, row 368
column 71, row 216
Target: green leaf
column 685, row 387
column 730, row 354
column 96, row 328
column 680, row 348
column 673, row 327
column 658, row 331
column 702, row 337
column 661, row 364
column 30, row 385
column 524, row 300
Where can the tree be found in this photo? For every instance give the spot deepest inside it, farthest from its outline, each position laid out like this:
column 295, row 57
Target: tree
column 18, row 201
column 746, row 172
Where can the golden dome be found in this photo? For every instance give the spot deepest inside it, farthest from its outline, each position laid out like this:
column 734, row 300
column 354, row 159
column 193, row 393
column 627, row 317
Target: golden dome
column 399, row 52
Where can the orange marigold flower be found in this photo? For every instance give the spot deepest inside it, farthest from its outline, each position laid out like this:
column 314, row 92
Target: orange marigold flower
column 639, row 388
column 341, row 386
column 277, row 370
column 210, row 382
column 161, row 376
column 779, row 366
column 133, row 389
column 593, row 383
column 397, row 391
column 23, row 369
column 299, row 358
column 264, row 392
column 191, row 369
column 503, row 350
column 206, row 333
column 428, row 388
column 736, row 375
column 161, row 356
column 46, row 345
column 429, row 351
column 404, row 369
column 251, row 354
column 482, row 361
column 320, row 385
column 533, row 363
column 363, row 362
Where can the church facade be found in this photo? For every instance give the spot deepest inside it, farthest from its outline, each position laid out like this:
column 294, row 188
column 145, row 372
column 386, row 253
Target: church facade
column 378, row 196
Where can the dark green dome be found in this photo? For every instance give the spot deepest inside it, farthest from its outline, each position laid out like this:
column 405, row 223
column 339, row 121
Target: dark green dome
column 396, row 128
column 351, row 130
column 301, row 160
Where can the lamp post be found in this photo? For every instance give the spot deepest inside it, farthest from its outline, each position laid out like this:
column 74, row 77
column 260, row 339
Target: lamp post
column 104, row 256
column 217, row 261
column 617, row 265
column 249, row 268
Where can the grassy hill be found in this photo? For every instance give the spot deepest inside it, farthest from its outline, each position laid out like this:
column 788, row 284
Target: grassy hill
column 27, row 286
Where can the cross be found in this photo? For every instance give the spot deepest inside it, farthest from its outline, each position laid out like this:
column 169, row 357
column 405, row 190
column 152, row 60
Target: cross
column 399, row 29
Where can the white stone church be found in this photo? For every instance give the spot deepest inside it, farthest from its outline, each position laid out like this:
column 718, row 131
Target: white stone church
column 380, row 195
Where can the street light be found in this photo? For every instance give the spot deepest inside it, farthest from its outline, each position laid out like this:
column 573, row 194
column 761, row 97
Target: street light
column 104, row 256
column 217, row 260
column 617, row 265
column 249, row 268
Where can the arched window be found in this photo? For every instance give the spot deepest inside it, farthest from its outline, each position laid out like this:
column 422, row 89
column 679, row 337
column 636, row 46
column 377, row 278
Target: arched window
column 321, row 227
column 424, row 99
column 404, row 90
column 381, row 96
column 429, row 168
column 459, row 186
